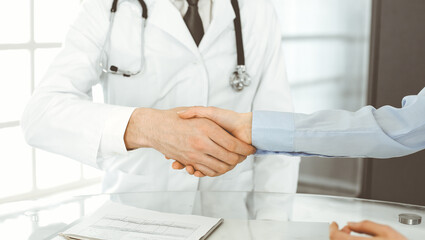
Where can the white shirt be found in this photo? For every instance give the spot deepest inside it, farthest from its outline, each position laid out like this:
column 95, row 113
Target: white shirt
column 205, row 10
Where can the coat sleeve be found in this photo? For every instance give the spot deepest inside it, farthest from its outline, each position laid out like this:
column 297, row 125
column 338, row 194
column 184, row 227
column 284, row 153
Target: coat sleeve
column 61, row 117
column 274, row 173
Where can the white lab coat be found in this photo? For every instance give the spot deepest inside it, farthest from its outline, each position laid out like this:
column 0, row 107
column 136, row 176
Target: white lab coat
column 62, row 118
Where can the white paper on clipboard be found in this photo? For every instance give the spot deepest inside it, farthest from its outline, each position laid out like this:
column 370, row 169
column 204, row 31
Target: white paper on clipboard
column 115, row 221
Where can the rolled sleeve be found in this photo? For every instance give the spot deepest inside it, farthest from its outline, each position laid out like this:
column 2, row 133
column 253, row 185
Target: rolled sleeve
column 273, row 131
column 112, row 141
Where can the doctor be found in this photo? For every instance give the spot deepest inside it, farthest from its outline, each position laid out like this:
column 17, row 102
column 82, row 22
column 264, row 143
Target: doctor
column 173, row 53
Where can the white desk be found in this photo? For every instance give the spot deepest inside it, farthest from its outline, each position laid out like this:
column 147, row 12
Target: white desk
column 248, row 212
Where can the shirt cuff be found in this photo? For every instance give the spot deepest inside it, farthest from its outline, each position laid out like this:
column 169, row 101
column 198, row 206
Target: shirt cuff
column 112, row 141
column 273, row 131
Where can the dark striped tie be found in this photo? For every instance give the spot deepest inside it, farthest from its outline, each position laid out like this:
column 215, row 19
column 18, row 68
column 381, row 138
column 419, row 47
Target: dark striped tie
column 194, row 22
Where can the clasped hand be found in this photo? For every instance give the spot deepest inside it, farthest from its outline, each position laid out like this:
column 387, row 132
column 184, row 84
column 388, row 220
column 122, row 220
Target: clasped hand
column 238, row 125
column 210, row 142
column 198, row 142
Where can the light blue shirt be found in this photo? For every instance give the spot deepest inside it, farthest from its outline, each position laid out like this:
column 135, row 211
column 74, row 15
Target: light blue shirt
column 378, row 133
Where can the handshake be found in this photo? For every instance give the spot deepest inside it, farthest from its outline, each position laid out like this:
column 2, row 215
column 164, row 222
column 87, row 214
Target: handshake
column 207, row 141
column 210, row 142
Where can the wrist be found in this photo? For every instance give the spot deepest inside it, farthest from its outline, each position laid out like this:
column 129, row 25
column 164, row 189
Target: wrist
column 247, row 126
column 138, row 129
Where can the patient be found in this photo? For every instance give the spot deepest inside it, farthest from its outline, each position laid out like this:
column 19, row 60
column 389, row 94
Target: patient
column 380, row 133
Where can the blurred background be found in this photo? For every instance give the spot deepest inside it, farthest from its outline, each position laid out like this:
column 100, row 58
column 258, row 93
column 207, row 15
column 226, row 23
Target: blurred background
column 337, row 54
column 326, row 46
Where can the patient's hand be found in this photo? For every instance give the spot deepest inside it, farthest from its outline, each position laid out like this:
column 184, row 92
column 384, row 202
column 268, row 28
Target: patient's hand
column 237, row 124
column 376, row 231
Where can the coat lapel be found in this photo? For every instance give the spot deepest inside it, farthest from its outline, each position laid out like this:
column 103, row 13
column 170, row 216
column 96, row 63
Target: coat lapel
column 222, row 16
column 167, row 17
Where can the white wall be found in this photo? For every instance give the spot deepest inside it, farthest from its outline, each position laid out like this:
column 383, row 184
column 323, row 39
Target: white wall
column 326, row 46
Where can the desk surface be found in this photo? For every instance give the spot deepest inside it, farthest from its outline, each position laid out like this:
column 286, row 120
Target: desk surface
column 38, row 220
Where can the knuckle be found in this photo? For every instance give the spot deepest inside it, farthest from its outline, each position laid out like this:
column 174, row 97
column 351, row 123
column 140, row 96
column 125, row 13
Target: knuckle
column 195, row 142
column 191, row 157
column 253, row 150
column 365, row 222
column 249, row 150
column 201, row 146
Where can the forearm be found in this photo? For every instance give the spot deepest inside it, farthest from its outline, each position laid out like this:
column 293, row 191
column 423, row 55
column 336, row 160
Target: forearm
column 368, row 132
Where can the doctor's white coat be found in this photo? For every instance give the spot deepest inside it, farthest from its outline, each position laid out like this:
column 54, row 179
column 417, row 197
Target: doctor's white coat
column 62, row 118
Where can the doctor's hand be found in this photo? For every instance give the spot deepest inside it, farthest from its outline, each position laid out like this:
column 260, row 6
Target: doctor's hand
column 238, row 124
column 200, row 143
column 376, row 231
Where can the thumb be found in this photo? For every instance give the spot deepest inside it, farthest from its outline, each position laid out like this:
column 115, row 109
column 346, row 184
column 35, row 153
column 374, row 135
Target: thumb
column 227, row 119
column 201, row 112
column 333, row 227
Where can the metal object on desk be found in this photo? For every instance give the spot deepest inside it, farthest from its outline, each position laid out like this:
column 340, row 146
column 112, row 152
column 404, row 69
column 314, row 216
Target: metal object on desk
column 409, row 219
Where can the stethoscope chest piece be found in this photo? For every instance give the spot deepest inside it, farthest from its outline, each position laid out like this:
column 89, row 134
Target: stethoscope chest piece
column 240, row 79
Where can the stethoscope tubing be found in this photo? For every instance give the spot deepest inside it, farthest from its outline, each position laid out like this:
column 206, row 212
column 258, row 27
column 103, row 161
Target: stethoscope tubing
column 114, row 8
column 238, row 32
column 240, row 77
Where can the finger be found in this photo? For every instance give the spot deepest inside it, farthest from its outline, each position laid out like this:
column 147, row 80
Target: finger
column 336, row 234
column 199, row 174
column 190, row 169
column 232, row 144
column 231, row 159
column 346, row 229
column 177, row 165
column 218, row 168
column 193, row 112
column 340, row 235
column 205, row 170
column 333, row 228
column 370, row 228
column 215, row 164
column 227, row 119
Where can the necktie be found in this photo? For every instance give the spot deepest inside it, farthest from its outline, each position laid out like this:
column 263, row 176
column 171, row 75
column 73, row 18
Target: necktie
column 194, row 22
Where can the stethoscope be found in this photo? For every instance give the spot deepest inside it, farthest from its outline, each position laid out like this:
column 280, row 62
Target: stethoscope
column 239, row 79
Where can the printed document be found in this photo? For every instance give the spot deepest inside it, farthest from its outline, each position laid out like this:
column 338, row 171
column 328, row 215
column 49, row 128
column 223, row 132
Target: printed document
column 115, row 221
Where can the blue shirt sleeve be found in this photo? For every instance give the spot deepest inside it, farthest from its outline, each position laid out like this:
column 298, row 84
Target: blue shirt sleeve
column 380, row 133
column 273, row 130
